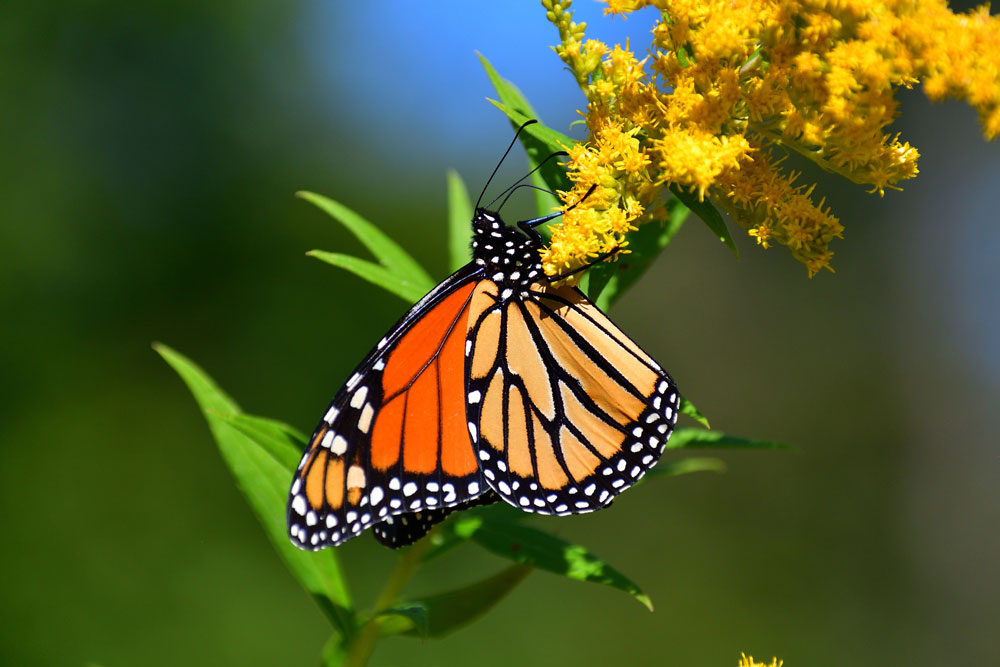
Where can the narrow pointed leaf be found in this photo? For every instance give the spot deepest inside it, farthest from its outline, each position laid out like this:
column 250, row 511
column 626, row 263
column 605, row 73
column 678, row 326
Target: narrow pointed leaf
column 686, row 466
column 708, row 214
column 609, row 280
column 447, row 612
column 539, row 145
column 539, row 141
column 388, row 253
column 687, row 408
column 443, row 541
column 284, row 443
column 530, row 546
column 459, row 222
column 691, row 438
column 264, row 480
column 376, row 274
column 405, row 617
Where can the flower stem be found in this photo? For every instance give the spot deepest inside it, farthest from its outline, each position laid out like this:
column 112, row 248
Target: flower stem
column 363, row 645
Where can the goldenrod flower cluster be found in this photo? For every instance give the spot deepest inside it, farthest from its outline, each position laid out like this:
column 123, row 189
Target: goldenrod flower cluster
column 729, row 87
column 748, row 661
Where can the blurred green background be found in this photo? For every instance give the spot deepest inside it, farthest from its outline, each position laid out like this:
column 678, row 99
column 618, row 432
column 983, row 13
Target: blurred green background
column 150, row 156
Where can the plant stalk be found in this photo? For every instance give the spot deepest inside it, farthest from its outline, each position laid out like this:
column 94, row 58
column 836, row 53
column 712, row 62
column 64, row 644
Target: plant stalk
column 361, row 648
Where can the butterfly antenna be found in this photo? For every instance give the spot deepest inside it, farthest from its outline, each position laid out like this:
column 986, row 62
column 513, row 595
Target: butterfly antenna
column 515, row 189
column 497, row 168
column 518, row 182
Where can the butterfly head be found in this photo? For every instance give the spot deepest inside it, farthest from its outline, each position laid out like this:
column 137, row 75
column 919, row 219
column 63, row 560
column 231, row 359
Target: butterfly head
column 510, row 258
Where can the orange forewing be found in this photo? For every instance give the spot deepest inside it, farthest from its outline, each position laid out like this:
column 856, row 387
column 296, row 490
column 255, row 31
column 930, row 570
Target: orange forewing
column 423, row 384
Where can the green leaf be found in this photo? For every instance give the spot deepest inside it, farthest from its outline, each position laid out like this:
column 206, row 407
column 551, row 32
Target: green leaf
column 708, row 214
column 539, row 141
column 686, row 466
column 263, row 479
column 459, row 222
column 440, row 615
column 443, row 541
column 388, row 280
column 683, row 57
column 687, row 408
column 281, row 441
column 689, row 438
column 552, row 175
column 414, row 619
column 389, row 254
column 609, row 280
column 530, row 546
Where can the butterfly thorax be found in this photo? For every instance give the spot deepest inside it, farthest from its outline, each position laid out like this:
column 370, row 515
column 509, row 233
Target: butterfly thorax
column 509, row 257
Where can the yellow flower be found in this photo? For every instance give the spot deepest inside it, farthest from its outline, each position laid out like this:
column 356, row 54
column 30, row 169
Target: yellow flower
column 748, row 661
column 730, row 86
column 613, row 165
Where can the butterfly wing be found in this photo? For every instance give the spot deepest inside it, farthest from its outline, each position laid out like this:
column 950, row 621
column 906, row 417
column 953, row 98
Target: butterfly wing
column 565, row 410
column 394, row 439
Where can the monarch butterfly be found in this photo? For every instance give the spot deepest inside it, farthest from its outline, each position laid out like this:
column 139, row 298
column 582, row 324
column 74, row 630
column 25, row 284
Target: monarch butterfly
column 496, row 385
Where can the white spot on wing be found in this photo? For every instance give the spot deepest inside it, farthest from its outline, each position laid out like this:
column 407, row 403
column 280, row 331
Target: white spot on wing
column 365, row 421
column 331, row 414
column 359, row 397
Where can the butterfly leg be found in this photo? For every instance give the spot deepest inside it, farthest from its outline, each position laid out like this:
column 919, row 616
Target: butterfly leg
column 529, row 226
column 597, row 260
